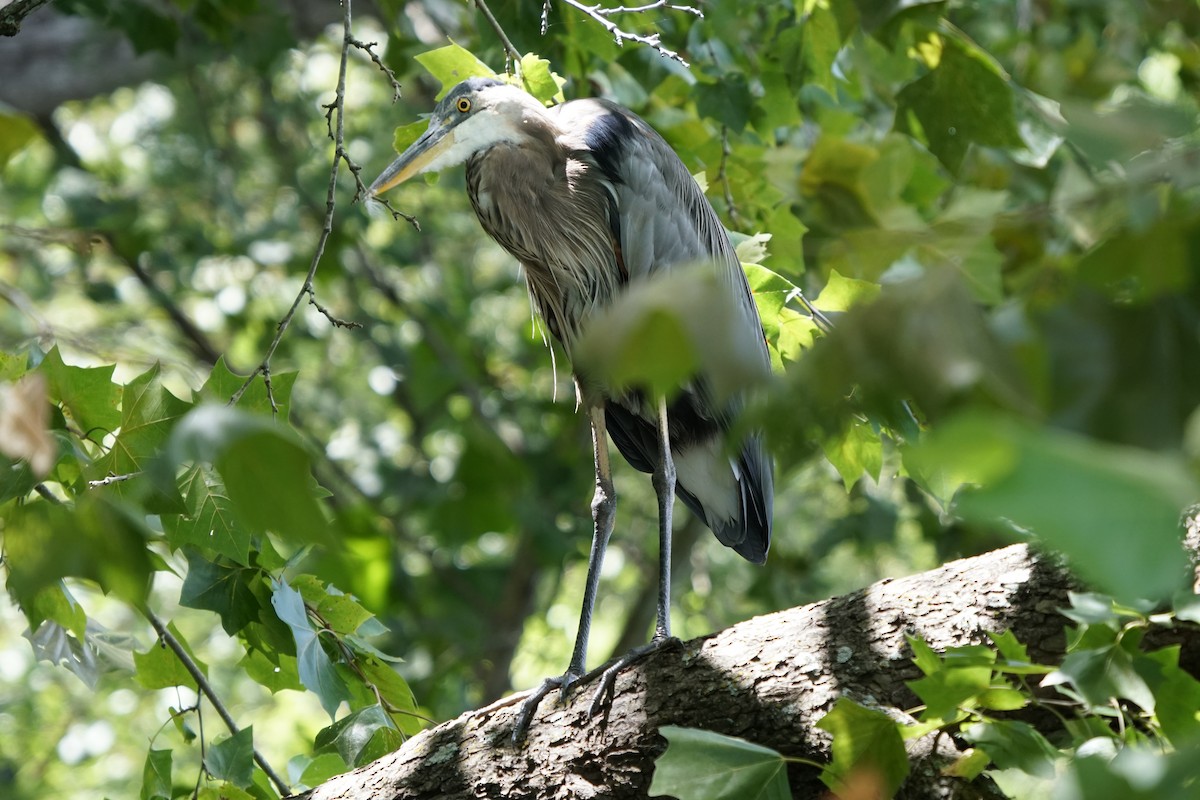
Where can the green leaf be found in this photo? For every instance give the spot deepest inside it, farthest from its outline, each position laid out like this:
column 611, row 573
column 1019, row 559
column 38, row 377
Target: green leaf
column 221, row 587
column 276, row 671
column 453, row 64
column 676, row 325
column 950, row 689
column 232, row 759
column 354, row 737
column 864, row 741
column 95, row 540
column 222, row 383
column 1176, row 693
column 264, row 468
column 1080, row 496
column 16, row 131
column 1142, row 264
column 1014, row 745
column 321, row 768
column 407, row 134
column 858, row 450
column 960, row 103
column 842, row 293
column 87, row 394
column 211, row 521
column 788, row 332
column 148, row 413
column 156, row 776
column 160, row 668
column 316, row 670
column 1101, row 675
column 539, row 80
column 728, row 101
column 702, row 765
column 391, row 687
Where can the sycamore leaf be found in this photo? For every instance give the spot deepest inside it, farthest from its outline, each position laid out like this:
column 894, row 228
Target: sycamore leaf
column 87, row 394
column 317, row 671
column 156, row 776
column 211, row 521
column 232, row 759
column 865, row 742
column 702, row 765
column 452, row 65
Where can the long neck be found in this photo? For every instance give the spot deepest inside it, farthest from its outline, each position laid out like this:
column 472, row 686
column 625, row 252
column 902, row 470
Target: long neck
column 543, row 207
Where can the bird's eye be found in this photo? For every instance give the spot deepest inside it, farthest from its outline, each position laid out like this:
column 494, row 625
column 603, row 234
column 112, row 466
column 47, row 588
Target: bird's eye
column 463, row 104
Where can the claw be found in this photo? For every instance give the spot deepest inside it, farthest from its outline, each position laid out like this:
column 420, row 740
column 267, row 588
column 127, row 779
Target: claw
column 563, row 682
column 608, row 681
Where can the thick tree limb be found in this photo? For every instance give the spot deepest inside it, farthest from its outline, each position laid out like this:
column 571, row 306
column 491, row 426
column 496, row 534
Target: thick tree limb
column 768, row 680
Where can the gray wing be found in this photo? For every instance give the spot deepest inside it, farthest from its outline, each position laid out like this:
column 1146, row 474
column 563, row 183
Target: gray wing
column 662, row 219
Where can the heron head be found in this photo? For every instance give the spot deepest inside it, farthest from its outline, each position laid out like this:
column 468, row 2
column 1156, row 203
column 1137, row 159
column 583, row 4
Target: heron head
column 477, row 114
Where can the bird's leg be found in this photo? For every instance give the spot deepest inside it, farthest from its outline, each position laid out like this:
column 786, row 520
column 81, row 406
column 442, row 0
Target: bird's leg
column 664, row 488
column 604, row 506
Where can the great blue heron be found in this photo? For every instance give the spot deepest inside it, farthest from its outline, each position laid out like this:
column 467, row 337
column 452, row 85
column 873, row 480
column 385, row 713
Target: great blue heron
column 593, row 202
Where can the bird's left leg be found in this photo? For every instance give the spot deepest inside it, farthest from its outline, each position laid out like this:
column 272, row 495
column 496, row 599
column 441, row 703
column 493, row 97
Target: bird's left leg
column 604, row 506
column 664, row 488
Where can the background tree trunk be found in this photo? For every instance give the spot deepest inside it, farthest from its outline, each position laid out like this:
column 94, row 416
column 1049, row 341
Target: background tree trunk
column 768, row 680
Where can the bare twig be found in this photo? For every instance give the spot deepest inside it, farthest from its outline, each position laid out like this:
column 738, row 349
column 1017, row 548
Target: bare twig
column 601, row 15
column 607, row 12
column 723, row 177
column 111, row 479
column 511, row 54
column 337, row 322
column 823, row 322
column 366, row 47
column 337, row 133
column 13, row 14
column 205, row 688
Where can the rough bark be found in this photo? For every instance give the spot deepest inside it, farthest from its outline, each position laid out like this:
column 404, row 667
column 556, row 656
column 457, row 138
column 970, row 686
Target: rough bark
column 768, row 680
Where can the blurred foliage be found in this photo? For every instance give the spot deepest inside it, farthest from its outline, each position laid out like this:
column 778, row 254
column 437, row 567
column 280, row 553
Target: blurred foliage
column 995, row 203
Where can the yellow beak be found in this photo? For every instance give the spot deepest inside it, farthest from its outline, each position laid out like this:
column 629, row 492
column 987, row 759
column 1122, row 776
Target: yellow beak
column 416, row 159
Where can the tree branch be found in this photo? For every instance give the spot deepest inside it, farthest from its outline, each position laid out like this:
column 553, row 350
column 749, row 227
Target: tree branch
column 511, row 54
column 601, row 15
column 768, row 680
column 337, row 133
column 15, row 12
column 205, row 688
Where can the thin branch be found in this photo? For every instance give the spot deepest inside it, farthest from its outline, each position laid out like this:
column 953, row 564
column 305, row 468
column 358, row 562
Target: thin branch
column 337, row 133
column 366, row 47
column 648, row 7
column 337, row 322
column 206, row 689
column 601, row 15
column 13, row 14
column 511, row 54
column 723, row 177
column 823, row 322
column 111, row 479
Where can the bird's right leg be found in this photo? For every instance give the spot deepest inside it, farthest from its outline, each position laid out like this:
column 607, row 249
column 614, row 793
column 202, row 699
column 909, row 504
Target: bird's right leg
column 604, row 506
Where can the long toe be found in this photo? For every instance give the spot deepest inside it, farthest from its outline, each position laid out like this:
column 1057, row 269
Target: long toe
column 530, row 705
column 608, row 681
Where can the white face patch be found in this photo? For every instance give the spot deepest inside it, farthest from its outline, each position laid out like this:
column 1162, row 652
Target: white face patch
column 483, row 129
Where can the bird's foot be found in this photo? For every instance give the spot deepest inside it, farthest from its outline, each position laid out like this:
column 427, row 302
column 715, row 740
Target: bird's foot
column 563, row 682
column 608, row 681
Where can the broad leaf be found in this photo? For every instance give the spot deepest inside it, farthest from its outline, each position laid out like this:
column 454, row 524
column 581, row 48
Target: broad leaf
column 453, row 64
column 317, row 671
column 702, row 765
column 232, row 759
column 156, row 775
column 865, row 742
